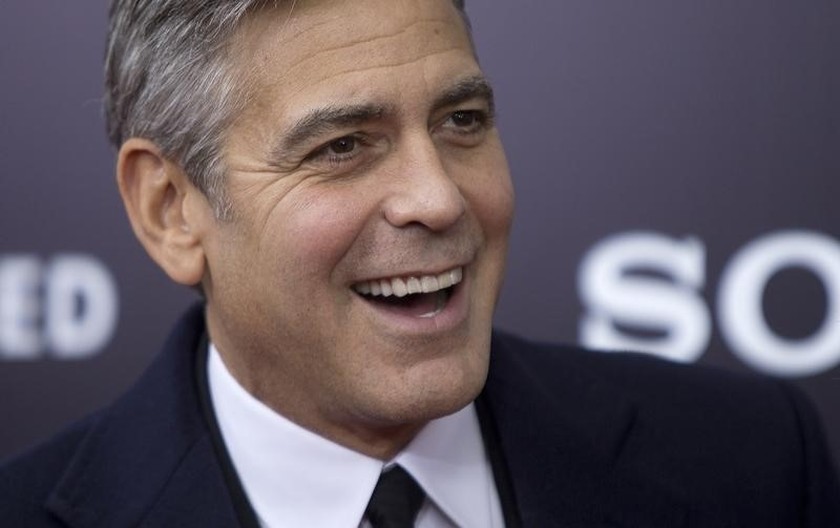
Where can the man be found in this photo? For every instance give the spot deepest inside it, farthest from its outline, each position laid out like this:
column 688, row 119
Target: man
column 329, row 176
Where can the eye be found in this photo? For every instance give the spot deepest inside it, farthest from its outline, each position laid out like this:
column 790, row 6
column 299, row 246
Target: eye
column 337, row 151
column 468, row 122
column 464, row 118
column 342, row 145
column 466, row 128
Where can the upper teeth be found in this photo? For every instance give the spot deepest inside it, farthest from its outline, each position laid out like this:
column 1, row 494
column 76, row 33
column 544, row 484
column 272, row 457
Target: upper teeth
column 401, row 287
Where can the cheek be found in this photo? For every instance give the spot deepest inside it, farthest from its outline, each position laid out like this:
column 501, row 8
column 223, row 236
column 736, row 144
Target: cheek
column 499, row 205
column 489, row 190
column 317, row 229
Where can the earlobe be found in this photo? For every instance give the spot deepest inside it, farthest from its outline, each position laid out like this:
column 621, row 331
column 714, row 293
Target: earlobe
column 161, row 205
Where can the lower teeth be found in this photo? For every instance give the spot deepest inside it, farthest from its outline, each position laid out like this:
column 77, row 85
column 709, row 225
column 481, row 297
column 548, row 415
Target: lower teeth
column 440, row 302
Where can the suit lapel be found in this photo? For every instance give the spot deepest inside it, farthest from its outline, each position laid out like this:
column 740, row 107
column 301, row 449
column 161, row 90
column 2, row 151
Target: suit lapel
column 563, row 431
column 149, row 460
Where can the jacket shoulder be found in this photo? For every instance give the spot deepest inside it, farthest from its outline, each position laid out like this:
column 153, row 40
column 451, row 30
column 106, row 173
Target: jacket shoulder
column 649, row 380
column 709, row 435
column 28, row 479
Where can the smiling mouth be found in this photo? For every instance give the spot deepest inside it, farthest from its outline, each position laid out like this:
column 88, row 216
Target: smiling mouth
column 424, row 296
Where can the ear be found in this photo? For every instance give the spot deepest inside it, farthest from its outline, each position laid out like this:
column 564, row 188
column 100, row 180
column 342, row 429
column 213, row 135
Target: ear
column 168, row 213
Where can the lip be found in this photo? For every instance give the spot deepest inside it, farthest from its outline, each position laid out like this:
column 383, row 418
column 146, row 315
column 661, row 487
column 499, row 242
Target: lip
column 452, row 316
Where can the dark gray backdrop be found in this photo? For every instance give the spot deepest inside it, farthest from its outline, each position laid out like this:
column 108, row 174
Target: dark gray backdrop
column 676, row 166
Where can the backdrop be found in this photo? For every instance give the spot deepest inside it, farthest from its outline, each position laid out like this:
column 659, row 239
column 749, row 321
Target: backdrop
column 676, row 167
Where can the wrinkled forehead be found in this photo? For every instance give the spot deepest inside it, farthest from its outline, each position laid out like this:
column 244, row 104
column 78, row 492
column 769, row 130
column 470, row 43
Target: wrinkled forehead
column 333, row 47
column 388, row 14
column 299, row 40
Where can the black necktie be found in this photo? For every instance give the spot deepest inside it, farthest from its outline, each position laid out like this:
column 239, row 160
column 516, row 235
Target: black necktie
column 395, row 501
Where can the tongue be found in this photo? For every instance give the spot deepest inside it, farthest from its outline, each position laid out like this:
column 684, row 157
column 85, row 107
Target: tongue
column 415, row 305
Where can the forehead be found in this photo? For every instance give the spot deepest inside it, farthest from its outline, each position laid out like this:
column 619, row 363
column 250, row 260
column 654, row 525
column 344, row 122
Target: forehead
column 334, row 48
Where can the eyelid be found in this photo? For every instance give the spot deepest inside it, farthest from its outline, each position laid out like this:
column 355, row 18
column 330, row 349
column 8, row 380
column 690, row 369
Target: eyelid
column 484, row 120
column 322, row 159
column 322, row 148
column 475, row 103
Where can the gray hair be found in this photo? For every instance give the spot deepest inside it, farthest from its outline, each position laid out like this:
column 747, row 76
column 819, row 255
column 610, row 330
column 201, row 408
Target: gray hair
column 167, row 79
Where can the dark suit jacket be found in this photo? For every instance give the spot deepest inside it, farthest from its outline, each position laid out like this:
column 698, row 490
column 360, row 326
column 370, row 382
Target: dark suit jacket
column 587, row 439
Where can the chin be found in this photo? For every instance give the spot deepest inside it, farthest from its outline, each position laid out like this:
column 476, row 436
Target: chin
column 434, row 393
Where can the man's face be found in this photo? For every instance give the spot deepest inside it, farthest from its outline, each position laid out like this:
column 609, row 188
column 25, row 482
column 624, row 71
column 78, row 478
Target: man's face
column 366, row 163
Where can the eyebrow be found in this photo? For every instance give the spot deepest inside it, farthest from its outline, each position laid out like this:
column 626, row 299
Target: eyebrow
column 328, row 118
column 475, row 87
column 322, row 120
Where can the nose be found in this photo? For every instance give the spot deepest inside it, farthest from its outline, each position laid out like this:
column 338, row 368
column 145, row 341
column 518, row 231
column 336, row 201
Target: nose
column 424, row 191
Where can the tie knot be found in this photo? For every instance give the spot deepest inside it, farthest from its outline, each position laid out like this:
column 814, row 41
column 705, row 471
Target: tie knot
column 395, row 501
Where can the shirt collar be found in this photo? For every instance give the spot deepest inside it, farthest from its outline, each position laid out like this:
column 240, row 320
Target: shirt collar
column 447, row 459
column 293, row 477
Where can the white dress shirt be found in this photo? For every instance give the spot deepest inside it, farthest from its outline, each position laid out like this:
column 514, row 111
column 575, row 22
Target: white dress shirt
column 293, row 477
